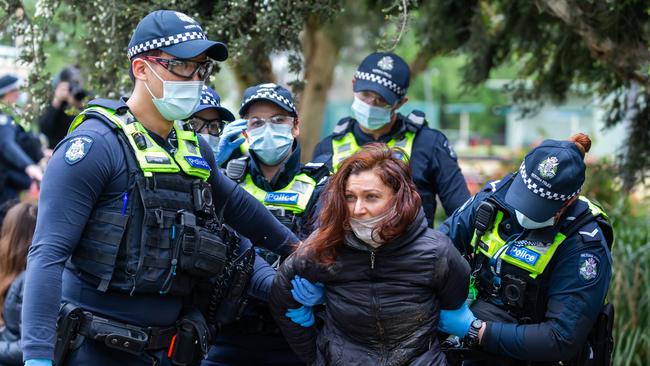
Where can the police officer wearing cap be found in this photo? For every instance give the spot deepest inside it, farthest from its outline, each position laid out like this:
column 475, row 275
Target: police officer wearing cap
column 541, row 262
column 209, row 118
column 380, row 85
column 127, row 216
column 20, row 151
column 272, row 173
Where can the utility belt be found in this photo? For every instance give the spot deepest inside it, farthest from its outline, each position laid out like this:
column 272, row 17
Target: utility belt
column 186, row 341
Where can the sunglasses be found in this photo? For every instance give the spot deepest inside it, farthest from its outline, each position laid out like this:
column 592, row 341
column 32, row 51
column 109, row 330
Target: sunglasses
column 184, row 68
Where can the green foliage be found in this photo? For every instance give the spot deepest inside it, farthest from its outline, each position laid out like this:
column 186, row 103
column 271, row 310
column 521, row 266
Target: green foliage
column 600, row 46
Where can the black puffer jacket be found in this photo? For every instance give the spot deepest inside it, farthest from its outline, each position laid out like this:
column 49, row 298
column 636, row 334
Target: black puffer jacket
column 10, row 352
column 382, row 304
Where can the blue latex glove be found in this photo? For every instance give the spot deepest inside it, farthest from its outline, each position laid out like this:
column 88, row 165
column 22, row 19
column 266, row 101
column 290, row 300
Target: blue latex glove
column 303, row 316
column 456, row 322
column 38, row 362
column 226, row 144
column 307, row 293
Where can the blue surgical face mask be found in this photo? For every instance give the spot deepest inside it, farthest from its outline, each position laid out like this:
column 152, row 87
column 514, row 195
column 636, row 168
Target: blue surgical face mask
column 22, row 100
column 527, row 223
column 213, row 141
column 179, row 99
column 370, row 117
column 271, row 143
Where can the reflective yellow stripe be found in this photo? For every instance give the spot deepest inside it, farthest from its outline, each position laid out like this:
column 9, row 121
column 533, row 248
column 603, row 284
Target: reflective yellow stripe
column 302, row 184
column 595, row 209
column 494, row 243
column 153, row 158
column 347, row 146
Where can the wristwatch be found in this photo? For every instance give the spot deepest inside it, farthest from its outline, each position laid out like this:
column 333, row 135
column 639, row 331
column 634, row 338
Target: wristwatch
column 471, row 339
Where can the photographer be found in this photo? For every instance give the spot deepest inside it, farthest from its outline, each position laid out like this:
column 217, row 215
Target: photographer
column 68, row 93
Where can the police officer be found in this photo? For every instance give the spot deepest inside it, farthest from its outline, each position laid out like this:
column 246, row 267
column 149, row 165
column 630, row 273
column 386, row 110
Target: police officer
column 272, row 173
column 128, row 208
column 209, row 117
column 20, row 151
column 380, row 85
column 541, row 260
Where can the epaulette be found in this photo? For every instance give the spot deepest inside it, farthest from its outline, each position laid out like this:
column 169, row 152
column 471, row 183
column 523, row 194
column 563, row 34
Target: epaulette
column 342, row 126
column 317, row 171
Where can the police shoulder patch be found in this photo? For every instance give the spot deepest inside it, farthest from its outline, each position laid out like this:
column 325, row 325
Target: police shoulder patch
column 77, row 148
column 588, row 266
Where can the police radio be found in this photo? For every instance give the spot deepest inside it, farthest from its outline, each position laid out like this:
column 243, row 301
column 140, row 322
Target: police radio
column 483, row 220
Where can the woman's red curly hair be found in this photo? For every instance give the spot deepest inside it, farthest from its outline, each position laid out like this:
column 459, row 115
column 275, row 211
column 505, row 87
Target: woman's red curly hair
column 333, row 220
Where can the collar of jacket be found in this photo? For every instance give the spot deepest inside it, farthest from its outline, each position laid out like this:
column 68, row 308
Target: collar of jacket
column 288, row 170
column 415, row 229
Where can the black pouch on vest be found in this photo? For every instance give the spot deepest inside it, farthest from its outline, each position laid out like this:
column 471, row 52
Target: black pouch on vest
column 200, row 252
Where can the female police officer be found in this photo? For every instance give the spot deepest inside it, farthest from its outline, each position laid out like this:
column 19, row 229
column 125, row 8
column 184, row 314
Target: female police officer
column 540, row 256
column 124, row 203
column 272, row 173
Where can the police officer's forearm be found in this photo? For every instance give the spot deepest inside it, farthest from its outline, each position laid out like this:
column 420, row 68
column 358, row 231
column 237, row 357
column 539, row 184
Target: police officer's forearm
column 261, row 280
column 533, row 342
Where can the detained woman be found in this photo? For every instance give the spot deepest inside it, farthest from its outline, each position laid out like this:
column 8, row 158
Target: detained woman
column 386, row 274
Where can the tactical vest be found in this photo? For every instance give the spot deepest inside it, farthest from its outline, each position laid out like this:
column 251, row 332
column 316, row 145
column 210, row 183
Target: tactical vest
column 160, row 235
column 515, row 274
column 346, row 146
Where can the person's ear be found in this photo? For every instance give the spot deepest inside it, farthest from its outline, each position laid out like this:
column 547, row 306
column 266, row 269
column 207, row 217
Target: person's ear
column 295, row 131
column 139, row 67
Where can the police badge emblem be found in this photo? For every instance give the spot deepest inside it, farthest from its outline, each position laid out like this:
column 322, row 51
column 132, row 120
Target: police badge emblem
column 77, row 149
column 386, row 63
column 588, row 267
column 548, row 168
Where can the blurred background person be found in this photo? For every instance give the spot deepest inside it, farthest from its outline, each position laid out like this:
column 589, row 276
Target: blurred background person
column 15, row 239
column 385, row 273
column 20, row 150
column 68, row 93
column 209, row 118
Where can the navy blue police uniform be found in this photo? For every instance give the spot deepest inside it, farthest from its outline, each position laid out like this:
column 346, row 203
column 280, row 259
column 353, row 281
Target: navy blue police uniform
column 540, row 291
column 18, row 149
column 291, row 196
column 118, row 203
column 431, row 157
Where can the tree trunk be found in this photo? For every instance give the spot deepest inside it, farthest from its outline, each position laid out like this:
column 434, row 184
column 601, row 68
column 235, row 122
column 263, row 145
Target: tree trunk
column 252, row 69
column 321, row 55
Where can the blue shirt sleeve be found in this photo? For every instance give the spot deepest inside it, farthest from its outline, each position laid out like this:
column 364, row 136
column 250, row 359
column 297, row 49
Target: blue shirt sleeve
column 10, row 151
column 246, row 214
column 68, row 194
column 448, row 178
column 577, row 291
column 323, row 152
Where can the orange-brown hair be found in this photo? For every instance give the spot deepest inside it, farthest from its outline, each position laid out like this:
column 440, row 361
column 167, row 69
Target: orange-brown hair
column 322, row 245
column 15, row 239
column 582, row 141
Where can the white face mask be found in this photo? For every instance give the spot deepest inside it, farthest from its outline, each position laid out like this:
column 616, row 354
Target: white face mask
column 180, row 98
column 527, row 223
column 370, row 117
column 363, row 229
column 213, row 141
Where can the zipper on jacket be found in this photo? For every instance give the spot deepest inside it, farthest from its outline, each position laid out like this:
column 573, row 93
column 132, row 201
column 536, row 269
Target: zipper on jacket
column 372, row 259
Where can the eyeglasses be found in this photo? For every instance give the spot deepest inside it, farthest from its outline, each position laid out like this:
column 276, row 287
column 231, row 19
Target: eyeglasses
column 256, row 122
column 184, row 68
column 214, row 126
column 373, row 99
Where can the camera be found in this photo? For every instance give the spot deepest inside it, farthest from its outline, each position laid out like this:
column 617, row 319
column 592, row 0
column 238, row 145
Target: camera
column 202, row 196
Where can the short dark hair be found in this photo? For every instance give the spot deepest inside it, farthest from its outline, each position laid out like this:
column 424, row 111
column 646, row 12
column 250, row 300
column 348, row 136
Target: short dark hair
column 139, row 55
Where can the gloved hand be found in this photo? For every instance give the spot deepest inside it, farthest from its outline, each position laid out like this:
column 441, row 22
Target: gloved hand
column 38, row 362
column 226, row 143
column 303, row 316
column 456, row 322
column 307, row 293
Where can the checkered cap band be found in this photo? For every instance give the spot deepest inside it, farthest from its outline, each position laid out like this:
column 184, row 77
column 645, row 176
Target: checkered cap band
column 165, row 41
column 209, row 99
column 378, row 79
column 269, row 94
column 541, row 191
